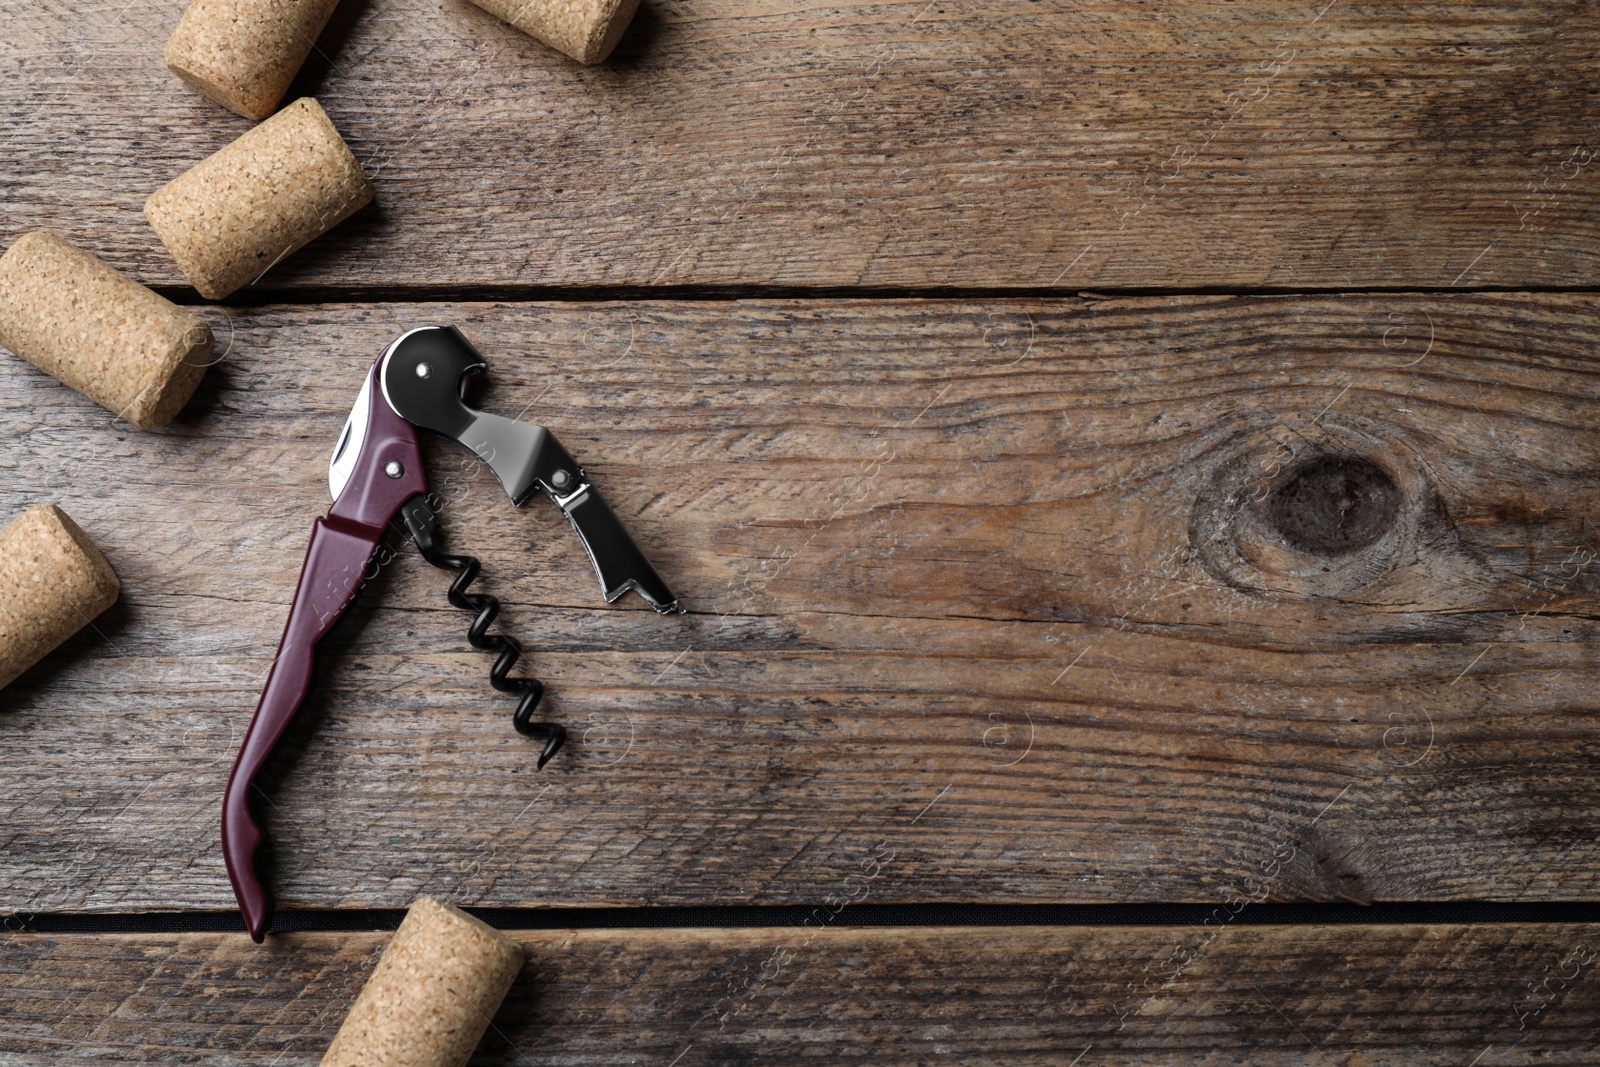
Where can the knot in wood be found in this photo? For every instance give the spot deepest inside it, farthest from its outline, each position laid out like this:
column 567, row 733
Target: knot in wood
column 1333, row 505
column 1324, row 511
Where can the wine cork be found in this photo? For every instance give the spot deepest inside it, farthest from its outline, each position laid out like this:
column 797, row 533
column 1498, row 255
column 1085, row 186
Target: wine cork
column 128, row 349
column 429, row 1001
column 271, row 192
column 586, row 30
column 53, row 581
column 244, row 53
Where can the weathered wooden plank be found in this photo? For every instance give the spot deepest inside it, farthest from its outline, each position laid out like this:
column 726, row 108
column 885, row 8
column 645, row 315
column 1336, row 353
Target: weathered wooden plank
column 1212, row 996
column 1097, row 144
column 1004, row 588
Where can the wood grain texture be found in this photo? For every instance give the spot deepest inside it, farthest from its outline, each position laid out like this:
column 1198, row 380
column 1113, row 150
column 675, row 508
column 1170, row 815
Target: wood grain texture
column 1261, row 996
column 956, row 143
column 992, row 586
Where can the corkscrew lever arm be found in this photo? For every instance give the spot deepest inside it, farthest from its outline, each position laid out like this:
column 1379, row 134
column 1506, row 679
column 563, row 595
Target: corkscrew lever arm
column 425, row 375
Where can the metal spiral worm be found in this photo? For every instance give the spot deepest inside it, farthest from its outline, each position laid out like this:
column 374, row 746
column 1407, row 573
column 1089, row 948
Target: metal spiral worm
column 423, row 525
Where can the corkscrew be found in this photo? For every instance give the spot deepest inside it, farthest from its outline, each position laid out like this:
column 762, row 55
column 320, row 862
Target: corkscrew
column 419, row 382
column 423, row 523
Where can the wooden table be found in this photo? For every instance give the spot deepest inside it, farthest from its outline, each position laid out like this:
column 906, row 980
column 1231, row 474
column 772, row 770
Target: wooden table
column 1130, row 467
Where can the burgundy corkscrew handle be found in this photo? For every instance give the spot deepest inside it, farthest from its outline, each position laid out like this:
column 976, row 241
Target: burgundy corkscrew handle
column 387, row 472
column 335, row 563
